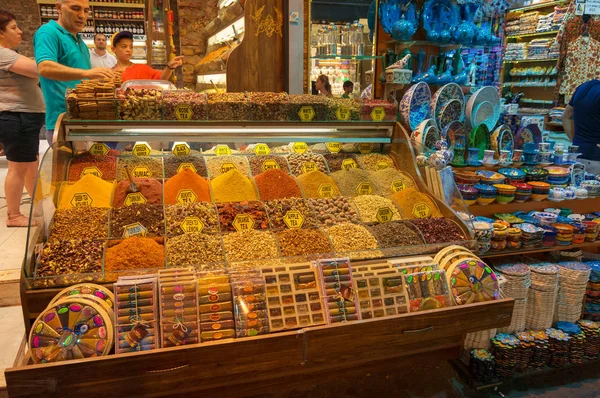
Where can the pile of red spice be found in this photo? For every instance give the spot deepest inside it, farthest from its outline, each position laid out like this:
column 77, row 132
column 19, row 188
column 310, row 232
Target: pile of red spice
column 277, row 184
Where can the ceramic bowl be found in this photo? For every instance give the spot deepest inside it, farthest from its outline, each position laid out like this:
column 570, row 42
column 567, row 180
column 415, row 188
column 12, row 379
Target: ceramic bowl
column 500, row 231
column 445, row 94
column 451, row 111
column 539, row 185
column 498, row 245
column 536, row 197
column 486, row 190
column 522, row 197
column 483, row 230
column 489, row 94
column 505, row 188
column 512, row 173
column 482, row 201
column 504, row 199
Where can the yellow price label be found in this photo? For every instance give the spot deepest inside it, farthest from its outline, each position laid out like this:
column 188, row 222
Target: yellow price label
column 135, row 229
column 269, row 165
column 398, row 185
column 334, row 147
column 293, row 219
column 184, row 166
column 141, row 172
column 342, row 113
column 384, row 215
column 326, row 190
column 93, row 170
column 364, row 188
column 261, row 150
column 348, row 164
column 299, row 147
column 181, row 149
column 243, row 222
column 184, row 112
column 225, row 167
column 186, row 196
column 365, row 148
column 134, row 198
column 191, row 225
column 99, row 149
column 378, row 114
column 309, row 166
column 306, row 113
column 141, row 149
column 421, row 210
column 81, row 199
column 382, row 164
column 222, row 150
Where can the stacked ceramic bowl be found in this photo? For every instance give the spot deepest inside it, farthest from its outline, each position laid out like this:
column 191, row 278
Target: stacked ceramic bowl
column 591, row 309
column 490, row 177
column 531, row 236
column 572, row 284
column 549, row 238
column 545, row 218
column 513, row 176
column 466, row 177
column 506, row 193
column 591, row 230
column 539, row 190
column 483, row 234
column 523, row 192
column 565, row 233
column 486, row 194
column 541, row 298
column 578, row 234
column 518, row 281
column 593, row 188
column 469, row 193
column 535, row 174
column 499, row 236
column 513, row 240
column 558, row 176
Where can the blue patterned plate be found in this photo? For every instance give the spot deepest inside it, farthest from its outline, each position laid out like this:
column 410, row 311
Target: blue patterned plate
column 451, row 130
column 415, row 105
column 451, row 111
column 445, row 94
column 489, row 94
column 502, row 140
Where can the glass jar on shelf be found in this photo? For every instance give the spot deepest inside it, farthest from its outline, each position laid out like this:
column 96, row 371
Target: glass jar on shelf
column 358, row 31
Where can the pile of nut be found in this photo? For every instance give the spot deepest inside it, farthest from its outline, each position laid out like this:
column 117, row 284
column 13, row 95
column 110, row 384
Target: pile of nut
column 298, row 242
column 268, row 106
column 343, row 105
column 335, row 161
column 258, row 164
column 176, row 214
column 194, row 250
column 228, row 106
column 299, row 163
column 331, row 211
column 250, row 245
column 140, row 104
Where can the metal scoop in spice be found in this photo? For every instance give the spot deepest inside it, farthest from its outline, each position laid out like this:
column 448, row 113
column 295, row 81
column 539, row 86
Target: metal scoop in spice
column 132, row 185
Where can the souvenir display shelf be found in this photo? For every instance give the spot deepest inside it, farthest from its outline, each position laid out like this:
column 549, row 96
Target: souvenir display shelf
column 141, row 40
column 276, row 359
column 535, row 78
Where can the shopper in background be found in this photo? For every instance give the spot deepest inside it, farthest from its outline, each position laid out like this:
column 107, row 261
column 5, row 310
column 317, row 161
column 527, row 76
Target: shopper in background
column 348, row 89
column 581, row 121
column 63, row 58
column 21, row 118
column 122, row 46
column 99, row 57
column 323, row 86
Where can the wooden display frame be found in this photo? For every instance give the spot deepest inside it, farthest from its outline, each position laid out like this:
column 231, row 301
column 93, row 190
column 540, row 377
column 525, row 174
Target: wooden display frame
column 256, row 364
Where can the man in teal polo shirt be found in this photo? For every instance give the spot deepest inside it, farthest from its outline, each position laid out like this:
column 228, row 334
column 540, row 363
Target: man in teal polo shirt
column 62, row 57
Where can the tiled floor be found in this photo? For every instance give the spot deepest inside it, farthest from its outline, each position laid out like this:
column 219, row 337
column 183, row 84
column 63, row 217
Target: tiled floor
column 12, row 250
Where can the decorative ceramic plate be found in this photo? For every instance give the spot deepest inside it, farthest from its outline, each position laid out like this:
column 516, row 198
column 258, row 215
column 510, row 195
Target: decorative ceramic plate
column 71, row 329
column 480, row 138
column 445, row 94
column 502, row 140
column 391, row 10
column 489, row 94
column 415, row 105
column 512, row 173
column 489, row 175
column 418, row 134
column 451, row 111
column 472, row 281
column 528, row 134
column 556, row 171
column 430, row 137
column 451, row 130
column 484, row 114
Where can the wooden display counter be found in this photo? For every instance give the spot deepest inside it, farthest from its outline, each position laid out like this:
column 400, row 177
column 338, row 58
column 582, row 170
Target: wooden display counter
column 251, row 365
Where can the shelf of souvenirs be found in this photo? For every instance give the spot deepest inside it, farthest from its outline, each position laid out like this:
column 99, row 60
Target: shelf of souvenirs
column 526, row 84
column 542, row 249
column 537, row 6
column 410, row 43
column 102, row 4
column 527, row 60
column 536, row 34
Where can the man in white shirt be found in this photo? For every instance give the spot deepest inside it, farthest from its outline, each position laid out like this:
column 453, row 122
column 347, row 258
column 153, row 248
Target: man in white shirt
column 99, row 56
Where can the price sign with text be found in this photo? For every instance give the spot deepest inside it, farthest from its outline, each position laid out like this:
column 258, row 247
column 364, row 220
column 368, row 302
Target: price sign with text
column 184, row 112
